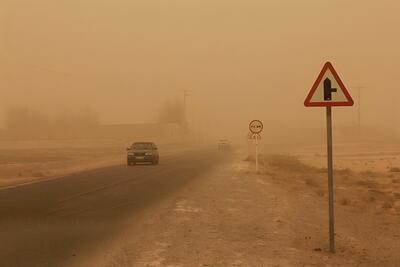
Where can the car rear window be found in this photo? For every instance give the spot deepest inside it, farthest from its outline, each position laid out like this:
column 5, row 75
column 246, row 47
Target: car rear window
column 142, row 146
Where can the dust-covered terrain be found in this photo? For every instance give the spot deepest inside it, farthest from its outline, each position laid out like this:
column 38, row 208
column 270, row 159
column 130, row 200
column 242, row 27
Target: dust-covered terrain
column 90, row 90
column 24, row 162
column 206, row 208
column 232, row 216
column 54, row 222
column 30, row 161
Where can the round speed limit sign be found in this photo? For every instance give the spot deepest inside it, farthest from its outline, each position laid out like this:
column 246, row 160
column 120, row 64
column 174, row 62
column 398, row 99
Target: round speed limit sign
column 256, row 126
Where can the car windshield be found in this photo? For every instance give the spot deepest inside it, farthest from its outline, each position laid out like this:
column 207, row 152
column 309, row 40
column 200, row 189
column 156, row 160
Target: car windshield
column 142, row 146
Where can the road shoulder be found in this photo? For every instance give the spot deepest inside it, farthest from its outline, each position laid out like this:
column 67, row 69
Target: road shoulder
column 234, row 217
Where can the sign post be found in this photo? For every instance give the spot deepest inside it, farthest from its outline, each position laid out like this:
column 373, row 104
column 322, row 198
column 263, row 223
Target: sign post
column 329, row 91
column 256, row 128
column 256, row 153
column 330, row 179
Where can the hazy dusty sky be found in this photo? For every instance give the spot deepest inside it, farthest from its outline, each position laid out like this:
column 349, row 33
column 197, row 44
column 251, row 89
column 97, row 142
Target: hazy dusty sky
column 241, row 59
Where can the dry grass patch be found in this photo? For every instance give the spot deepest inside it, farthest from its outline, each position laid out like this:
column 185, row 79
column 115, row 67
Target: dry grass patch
column 288, row 163
column 345, row 202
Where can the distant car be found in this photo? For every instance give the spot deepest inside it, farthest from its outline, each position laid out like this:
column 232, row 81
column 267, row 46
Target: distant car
column 143, row 152
column 224, row 144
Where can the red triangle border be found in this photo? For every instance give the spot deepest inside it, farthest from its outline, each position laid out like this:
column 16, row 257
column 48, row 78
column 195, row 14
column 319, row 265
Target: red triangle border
column 328, row 66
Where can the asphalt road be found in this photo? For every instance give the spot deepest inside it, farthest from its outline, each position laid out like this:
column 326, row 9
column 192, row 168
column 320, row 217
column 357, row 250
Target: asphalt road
column 47, row 223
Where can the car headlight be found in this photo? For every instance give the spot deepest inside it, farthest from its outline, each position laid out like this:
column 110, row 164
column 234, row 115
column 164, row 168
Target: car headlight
column 148, row 154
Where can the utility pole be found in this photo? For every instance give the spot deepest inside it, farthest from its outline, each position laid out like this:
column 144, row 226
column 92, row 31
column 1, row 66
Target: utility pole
column 186, row 93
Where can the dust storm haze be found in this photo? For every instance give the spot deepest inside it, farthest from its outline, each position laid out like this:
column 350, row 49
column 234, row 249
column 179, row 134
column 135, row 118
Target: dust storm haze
column 239, row 59
column 124, row 133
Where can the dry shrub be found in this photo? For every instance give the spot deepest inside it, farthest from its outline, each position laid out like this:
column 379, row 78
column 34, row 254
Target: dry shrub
column 321, row 192
column 250, row 158
column 288, row 163
column 394, row 169
column 367, row 183
column 376, row 191
column 362, row 183
column 321, row 170
column 345, row 202
column 387, row 205
column 346, row 171
column 311, row 182
column 266, row 172
column 368, row 173
column 38, row 174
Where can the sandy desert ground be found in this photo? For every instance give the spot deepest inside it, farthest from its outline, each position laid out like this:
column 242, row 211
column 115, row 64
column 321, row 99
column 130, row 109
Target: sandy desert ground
column 29, row 161
column 231, row 216
column 278, row 217
column 32, row 161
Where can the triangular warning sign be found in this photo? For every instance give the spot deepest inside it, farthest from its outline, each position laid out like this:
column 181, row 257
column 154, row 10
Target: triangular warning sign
column 328, row 90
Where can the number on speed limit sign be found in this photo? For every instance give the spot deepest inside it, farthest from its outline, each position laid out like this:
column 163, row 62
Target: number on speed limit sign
column 256, row 126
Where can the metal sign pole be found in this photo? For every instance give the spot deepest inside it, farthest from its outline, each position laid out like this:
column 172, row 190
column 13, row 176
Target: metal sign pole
column 330, row 180
column 257, row 153
column 256, row 128
column 327, row 91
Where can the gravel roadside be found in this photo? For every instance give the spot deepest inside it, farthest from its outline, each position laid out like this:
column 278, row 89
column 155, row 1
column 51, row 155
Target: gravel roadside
column 234, row 217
